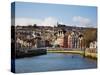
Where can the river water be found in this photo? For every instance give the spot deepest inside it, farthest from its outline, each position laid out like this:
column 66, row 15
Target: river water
column 53, row 62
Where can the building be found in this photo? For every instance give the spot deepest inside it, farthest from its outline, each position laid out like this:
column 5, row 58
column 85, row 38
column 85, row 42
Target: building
column 73, row 40
column 60, row 38
column 93, row 44
column 49, row 37
column 69, row 41
column 81, row 41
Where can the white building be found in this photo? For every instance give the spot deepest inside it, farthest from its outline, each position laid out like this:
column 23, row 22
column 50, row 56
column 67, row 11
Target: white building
column 93, row 44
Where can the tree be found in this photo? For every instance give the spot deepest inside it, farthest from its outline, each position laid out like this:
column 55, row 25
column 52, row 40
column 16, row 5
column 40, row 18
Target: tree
column 90, row 35
column 35, row 25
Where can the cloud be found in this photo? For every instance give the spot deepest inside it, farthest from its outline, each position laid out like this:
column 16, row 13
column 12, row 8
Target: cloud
column 52, row 21
column 82, row 21
column 49, row 21
column 26, row 21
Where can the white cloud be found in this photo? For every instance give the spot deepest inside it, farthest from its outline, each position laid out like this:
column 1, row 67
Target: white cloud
column 49, row 21
column 26, row 21
column 82, row 21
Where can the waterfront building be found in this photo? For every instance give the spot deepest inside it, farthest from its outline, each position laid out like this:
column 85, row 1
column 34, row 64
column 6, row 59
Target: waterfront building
column 76, row 41
column 92, row 48
column 65, row 40
column 93, row 44
column 48, row 37
column 69, row 41
column 60, row 38
column 81, row 42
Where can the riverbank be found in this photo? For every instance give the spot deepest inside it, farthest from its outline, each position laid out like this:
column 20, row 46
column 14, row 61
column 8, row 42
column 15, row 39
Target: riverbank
column 36, row 52
column 63, row 51
column 91, row 55
column 30, row 53
column 81, row 52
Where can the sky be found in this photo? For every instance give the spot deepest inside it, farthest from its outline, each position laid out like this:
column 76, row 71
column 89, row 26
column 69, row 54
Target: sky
column 27, row 13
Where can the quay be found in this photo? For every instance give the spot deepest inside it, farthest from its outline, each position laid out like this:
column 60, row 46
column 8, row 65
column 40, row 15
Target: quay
column 30, row 52
column 84, row 53
column 42, row 51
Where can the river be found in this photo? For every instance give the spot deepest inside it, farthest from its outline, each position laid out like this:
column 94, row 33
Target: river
column 53, row 62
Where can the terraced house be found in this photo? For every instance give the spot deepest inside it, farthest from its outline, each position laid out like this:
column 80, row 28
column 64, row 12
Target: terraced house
column 36, row 37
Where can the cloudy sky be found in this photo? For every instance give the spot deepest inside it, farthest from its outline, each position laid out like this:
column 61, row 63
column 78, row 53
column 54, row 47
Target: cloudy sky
column 50, row 14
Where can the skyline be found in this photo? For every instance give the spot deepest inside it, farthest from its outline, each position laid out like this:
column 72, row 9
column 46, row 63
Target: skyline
column 49, row 14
